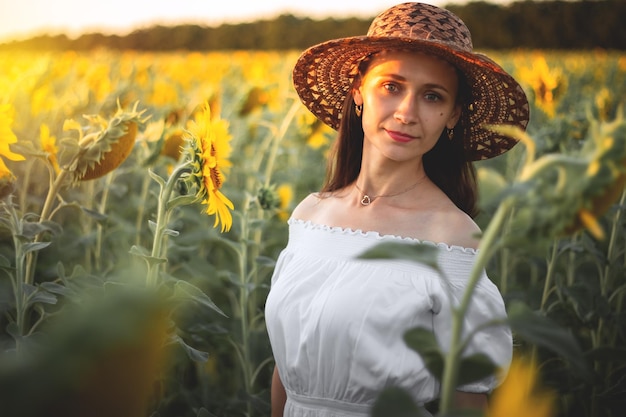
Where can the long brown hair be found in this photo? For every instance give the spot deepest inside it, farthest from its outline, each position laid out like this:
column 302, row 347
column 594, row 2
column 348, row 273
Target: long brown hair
column 445, row 164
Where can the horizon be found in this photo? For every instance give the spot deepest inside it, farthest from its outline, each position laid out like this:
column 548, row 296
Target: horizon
column 31, row 18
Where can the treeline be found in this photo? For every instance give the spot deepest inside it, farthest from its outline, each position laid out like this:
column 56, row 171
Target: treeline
column 551, row 24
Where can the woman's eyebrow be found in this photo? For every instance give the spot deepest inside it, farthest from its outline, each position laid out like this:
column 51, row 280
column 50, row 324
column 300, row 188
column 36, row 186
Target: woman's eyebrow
column 401, row 78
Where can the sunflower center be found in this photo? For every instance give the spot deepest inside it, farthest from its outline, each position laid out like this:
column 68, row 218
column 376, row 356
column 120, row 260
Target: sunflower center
column 214, row 172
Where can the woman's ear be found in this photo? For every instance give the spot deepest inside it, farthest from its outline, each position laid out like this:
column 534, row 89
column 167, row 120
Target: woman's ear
column 356, row 92
column 454, row 117
column 358, row 99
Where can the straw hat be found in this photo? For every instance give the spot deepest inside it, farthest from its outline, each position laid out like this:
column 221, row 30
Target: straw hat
column 324, row 73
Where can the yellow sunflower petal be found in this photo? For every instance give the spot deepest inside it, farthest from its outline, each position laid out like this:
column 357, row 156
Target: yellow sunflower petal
column 5, row 172
column 48, row 145
column 9, row 154
column 520, row 394
column 7, row 180
column 7, row 136
column 590, row 222
column 210, row 148
column 220, row 206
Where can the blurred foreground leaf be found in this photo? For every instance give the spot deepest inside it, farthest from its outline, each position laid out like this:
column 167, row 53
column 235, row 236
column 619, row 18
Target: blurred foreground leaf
column 544, row 332
column 475, row 367
column 417, row 252
column 396, row 402
column 423, row 341
column 99, row 357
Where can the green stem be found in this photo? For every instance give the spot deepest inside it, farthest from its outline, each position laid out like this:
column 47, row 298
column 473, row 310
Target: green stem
column 257, row 160
column 53, row 191
column 87, row 222
column 547, row 285
column 25, row 185
column 550, row 161
column 282, row 131
column 145, row 187
column 102, row 209
column 453, row 357
column 504, row 267
column 162, row 220
column 52, row 194
column 505, row 260
column 20, row 297
column 254, row 254
column 243, row 303
column 20, row 278
column 606, row 283
column 571, row 264
column 620, row 297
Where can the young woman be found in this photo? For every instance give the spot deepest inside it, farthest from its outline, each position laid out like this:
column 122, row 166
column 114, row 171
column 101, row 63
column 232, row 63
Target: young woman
column 410, row 102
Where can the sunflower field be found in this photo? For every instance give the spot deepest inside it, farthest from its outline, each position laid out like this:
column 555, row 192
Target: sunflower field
column 144, row 199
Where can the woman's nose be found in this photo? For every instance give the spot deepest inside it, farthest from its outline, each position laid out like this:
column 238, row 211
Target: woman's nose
column 406, row 112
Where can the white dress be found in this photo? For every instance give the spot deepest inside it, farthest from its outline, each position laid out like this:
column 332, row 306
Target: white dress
column 336, row 323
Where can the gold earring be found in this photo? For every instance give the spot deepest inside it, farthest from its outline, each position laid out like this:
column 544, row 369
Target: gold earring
column 358, row 109
column 450, row 134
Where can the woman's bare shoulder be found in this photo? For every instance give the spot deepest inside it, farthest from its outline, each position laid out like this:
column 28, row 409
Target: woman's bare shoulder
column 305, row 209
column 459, row 229
column 442, row 221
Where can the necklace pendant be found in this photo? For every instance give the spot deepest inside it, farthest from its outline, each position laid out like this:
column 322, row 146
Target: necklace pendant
column 366, row 200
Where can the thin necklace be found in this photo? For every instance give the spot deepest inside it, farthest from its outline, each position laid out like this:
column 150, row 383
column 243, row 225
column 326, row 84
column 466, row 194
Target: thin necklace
column 366, row 200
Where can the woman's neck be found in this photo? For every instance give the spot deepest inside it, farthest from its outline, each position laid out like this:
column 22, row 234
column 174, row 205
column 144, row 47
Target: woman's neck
column 389, row 177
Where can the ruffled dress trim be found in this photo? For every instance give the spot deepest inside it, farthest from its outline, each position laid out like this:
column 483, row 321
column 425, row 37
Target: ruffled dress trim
column 307, row 224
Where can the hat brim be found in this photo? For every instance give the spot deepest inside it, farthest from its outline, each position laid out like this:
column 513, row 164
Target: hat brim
column 324, row 74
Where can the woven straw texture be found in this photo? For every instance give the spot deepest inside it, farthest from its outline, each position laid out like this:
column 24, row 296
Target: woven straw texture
column 324, row 73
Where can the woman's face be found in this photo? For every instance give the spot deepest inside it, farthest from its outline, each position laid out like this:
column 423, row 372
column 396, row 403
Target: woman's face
column 408, row 100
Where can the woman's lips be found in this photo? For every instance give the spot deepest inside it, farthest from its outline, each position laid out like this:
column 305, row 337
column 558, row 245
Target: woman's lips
column 400, row 137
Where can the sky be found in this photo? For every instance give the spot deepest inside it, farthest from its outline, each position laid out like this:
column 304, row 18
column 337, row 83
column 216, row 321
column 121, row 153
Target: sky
column 21, row 19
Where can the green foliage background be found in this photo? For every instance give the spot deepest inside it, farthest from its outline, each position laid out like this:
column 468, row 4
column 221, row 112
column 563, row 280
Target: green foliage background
column 220, row 364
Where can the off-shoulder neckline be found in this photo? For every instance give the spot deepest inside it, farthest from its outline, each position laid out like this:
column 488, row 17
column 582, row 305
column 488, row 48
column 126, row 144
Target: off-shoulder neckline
column 376, row 235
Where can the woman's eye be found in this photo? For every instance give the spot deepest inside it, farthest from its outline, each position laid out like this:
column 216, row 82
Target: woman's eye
column 392, row 88
column 432, row 97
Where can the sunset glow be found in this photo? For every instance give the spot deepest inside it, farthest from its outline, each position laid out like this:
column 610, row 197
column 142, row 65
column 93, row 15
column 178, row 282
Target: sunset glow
column 27, row 18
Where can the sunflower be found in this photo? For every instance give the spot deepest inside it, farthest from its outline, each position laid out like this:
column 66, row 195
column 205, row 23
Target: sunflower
column 49, row 145
column 7, row 137
column 268, row 197
column 172, row 145
column 560, row 194
column 320, row 135
column 520, row 394
column 7, row 180
column 106, row 145
column 547, row 83
column 208, row 147
column 285, row 192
